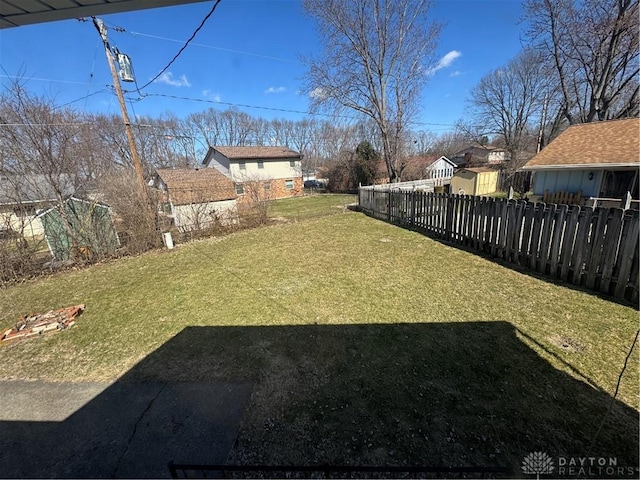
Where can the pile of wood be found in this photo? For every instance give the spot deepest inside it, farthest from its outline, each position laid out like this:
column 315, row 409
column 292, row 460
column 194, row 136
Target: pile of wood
column 37, row 324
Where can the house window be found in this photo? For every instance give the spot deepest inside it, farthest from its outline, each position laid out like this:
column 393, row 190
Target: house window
column 239, row 189
column 260, row 164
column 242, row 164
column 288, row 184
column 292, row 163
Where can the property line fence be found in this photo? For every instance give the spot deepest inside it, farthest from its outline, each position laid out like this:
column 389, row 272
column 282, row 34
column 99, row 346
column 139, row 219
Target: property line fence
column 595, row 248
column 425, row 185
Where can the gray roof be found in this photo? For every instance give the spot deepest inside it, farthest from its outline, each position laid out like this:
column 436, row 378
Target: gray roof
column 33, row 188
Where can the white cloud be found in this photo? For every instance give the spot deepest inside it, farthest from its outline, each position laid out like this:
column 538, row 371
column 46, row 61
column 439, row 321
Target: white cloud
column 275, row 90
column 457, row 73
column 445, row 61
column 209, row 95
column 317, row 92
column 167, row 78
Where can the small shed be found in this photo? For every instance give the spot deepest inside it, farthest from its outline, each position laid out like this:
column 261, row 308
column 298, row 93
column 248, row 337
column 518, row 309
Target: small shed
column 474, row 181
column 81, row 228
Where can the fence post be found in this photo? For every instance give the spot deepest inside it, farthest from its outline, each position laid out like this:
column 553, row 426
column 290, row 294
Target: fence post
column 389, row 205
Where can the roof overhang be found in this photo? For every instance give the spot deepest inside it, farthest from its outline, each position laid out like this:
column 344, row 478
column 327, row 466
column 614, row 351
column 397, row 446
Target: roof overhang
column 14, row 13
column 583, row 166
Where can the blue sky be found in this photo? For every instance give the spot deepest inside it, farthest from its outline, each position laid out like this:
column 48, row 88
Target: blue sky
column 248, row 53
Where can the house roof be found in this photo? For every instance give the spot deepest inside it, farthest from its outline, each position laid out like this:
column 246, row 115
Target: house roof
column 33, row 188
column 73, row 198
column 240, row 153
column 14, row 13
column 592, row 145
column 186, row 185
column 478, row 169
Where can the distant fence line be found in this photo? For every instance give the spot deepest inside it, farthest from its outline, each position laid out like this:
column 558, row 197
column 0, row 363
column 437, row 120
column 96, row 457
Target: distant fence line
column 596, row 248
column 425, row 185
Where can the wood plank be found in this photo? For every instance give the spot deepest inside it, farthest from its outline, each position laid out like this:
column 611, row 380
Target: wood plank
column 517, row 240
column 597, row 244
column 628, row 249
column 568, row 240
column 482, row 219
column 547, row 230
column 538, row 220
column 526, row 233
column 450, row 217
column 495, row 227
column 502, row 231
column 510, row 231
column 610, row 248
column 464, row 213
column 558, row 232
column 490, row 205
column 477, row 235
column 581, row 245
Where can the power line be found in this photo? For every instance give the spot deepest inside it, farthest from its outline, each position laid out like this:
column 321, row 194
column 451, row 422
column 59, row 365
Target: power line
column 259, row 107
column 15, row 77
column 104, row 90
column 204, row 20
column 240, row 52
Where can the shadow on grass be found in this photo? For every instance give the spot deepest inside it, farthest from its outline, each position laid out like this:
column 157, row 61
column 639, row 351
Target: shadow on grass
column 440, row 395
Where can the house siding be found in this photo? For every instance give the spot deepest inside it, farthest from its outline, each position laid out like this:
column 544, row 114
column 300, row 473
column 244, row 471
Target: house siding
column 441, row 168
column 273, row 169
column 204, row 215
column 29, row 226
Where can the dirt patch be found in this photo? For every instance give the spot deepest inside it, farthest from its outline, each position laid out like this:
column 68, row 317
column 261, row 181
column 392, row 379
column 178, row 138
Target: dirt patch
column 567, row 343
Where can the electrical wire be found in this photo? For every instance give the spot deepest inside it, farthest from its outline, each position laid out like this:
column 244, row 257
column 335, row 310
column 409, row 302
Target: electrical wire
column 104, row 90
column 240, row 52
column 204, row 20
column 259, row 107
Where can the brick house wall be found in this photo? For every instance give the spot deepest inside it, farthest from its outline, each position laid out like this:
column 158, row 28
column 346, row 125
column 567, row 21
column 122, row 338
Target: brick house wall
column 276, row 188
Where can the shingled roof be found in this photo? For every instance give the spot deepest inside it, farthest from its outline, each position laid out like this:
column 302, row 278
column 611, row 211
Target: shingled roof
column 257, row 152
column 607, row 144
column 187, row 186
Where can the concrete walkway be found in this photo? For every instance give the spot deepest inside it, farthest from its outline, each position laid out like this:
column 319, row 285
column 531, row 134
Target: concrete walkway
column 123, row 430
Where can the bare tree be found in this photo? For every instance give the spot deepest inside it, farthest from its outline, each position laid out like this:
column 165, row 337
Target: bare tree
column 508, row 101
column 592, row 46
column 376, row 58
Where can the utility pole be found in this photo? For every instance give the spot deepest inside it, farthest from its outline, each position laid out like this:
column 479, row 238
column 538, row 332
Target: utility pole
column 102, row 30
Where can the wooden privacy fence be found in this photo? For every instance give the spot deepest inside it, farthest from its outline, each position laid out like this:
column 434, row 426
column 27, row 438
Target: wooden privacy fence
column 596, row 248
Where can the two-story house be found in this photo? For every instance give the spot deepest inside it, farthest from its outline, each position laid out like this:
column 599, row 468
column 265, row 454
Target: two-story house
column 276, row 171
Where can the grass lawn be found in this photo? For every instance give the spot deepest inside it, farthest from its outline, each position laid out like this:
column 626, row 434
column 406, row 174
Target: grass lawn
column 315, row 205
column 364, row 344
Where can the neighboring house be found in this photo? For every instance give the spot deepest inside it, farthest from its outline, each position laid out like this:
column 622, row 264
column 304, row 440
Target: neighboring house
column 22, row 196
column 419, row 168
column 599, row 160
column 474, row 181
column 480, row 155
column 198, row 198
column 82, row 229
column 276, row 170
